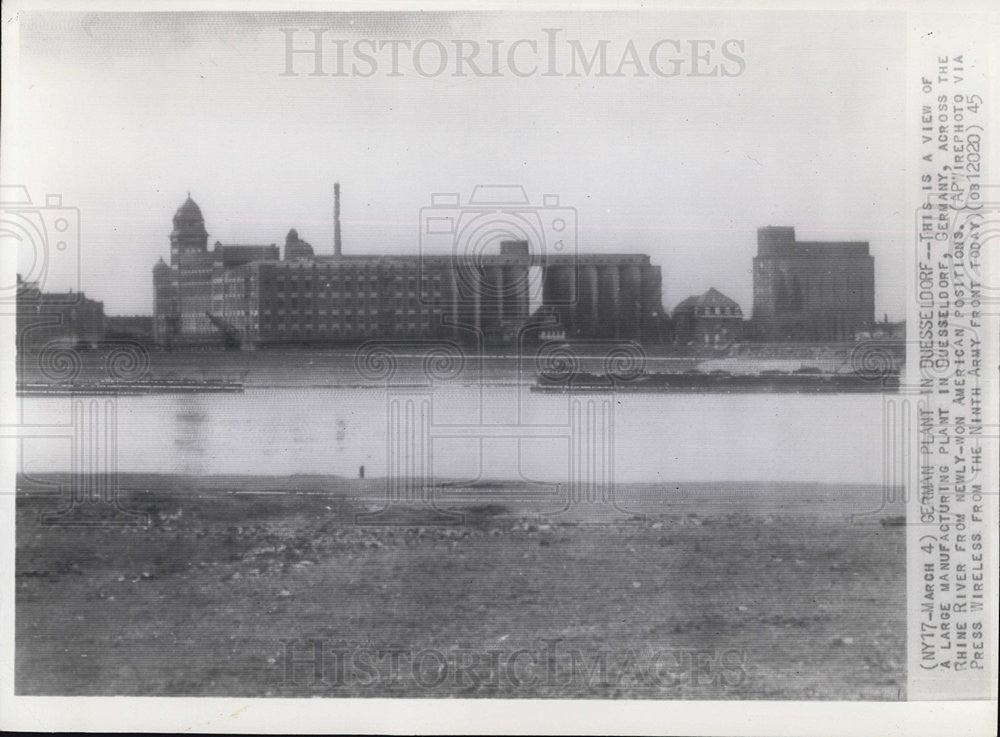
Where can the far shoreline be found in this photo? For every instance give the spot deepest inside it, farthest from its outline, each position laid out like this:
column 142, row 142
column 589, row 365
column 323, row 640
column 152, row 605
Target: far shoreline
column 859, row 501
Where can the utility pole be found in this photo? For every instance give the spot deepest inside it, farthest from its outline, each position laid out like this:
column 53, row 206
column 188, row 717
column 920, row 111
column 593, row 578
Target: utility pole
column 336, row 218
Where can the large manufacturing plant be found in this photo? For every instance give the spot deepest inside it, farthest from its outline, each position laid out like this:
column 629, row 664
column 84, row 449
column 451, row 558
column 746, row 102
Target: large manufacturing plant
column 248, row 296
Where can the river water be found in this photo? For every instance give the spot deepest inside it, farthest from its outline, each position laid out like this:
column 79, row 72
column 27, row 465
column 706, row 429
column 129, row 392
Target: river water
column 466, row 431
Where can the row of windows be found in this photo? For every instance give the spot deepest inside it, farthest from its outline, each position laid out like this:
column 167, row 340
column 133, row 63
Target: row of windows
column 333, row 318
column 372, row 302
column 349, row 275
column 324, row 274
column 321, row 313
column 359, row 329
column 710, row 311
column 320, row 295
column 423, row 314
column 336, row 290
column 321, row 329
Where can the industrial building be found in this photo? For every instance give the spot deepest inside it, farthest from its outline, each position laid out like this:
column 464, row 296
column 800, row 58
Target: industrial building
column 811, row 291
column 198, row 283
column 68, row 318
column 134, row 328
column 604, row 296
column 248, row 296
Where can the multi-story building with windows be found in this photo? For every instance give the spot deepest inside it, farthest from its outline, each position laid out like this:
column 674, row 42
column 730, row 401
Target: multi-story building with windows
column 247, row 295
column 198, row 284
column 345, row 299
column 809, row 290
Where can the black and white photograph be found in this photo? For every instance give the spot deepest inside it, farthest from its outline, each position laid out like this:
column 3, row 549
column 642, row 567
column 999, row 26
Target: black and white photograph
column 427, row 361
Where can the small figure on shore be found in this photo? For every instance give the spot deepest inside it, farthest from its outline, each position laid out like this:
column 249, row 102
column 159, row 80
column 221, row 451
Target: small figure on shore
column 361, row 472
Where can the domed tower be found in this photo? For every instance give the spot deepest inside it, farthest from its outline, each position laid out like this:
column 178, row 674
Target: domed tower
column 161, row 270
column 188, row 235
column 297, row 249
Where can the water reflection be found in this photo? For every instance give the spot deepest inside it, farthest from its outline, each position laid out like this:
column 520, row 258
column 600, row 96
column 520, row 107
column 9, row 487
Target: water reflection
column 502, row 432
column 189, row 435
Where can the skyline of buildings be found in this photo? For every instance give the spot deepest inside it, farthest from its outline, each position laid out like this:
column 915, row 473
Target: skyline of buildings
column 255, row 295
column 249, row 295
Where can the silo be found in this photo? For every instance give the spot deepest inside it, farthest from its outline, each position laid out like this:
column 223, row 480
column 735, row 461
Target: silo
column 476, row 297
column 468, row 285
column 567, row 286
column 631, row 296
column 560, row 293
column 586, row 307
column 548, row 285
column 652, row 301
column 491, row 300
column 515, row 293
column 490, row 290
column 608, row 301
column 450, row 300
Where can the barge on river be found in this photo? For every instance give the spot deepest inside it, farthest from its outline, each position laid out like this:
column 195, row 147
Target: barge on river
column 721, row 382
column 118, row 388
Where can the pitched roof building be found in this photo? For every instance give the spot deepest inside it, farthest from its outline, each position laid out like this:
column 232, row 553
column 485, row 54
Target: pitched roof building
column 710, row 318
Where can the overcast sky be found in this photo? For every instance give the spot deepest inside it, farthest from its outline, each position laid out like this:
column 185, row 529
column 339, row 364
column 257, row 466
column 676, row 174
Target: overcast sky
column 124, row 114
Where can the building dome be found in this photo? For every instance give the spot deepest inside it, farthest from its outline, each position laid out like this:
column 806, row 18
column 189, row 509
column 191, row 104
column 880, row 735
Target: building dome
column 188, row 221
column 297, row 249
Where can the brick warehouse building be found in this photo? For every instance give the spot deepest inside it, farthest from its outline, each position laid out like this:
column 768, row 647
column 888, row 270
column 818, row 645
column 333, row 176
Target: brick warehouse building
column 811, row 291
column 69, row 318
column 249, row 296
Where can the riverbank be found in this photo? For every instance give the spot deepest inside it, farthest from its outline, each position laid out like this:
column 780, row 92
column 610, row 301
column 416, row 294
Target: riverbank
column 683, row 591
column 407, row 363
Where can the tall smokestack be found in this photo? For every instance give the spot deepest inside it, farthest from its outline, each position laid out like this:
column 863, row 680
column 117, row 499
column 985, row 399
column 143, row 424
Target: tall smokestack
column 336, row 218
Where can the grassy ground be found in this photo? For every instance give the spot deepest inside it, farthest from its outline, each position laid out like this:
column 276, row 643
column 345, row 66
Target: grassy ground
column 695, row 591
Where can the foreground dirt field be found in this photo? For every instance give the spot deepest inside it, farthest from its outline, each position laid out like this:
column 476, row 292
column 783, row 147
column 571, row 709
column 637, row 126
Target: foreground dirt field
column 269, row 587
